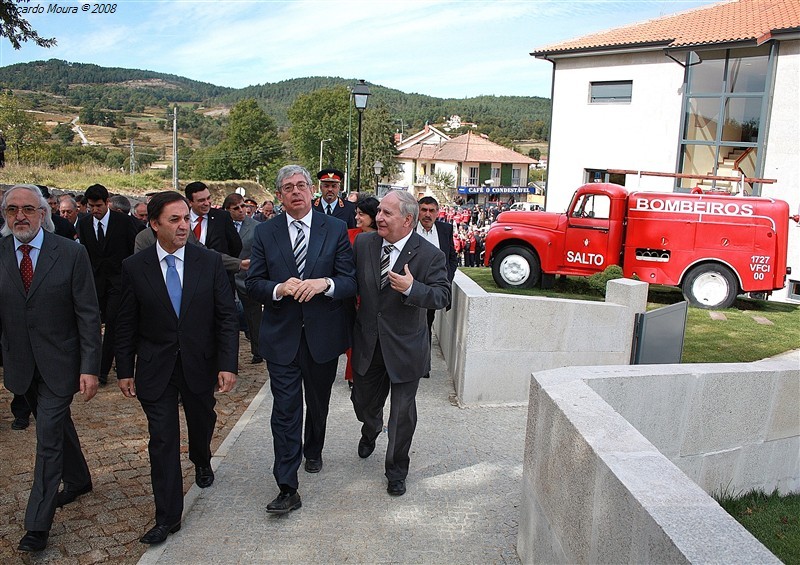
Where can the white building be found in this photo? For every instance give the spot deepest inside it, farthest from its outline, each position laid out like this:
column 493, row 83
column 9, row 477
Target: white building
column 711, row 91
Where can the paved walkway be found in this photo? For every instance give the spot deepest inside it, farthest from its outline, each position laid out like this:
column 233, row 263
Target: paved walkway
column 461, row 505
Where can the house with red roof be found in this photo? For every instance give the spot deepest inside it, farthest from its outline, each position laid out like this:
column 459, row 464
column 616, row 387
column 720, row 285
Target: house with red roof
column 481, row 170
column 709, row 96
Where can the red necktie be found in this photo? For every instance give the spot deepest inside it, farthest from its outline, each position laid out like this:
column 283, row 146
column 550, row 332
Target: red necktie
column 26, row 266
column 198, row 227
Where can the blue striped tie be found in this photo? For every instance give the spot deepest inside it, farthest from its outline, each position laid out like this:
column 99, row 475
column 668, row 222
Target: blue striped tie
column 299, row 249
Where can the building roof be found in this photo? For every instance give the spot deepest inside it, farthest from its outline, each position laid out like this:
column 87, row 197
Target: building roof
column 467, row 148
column 755, row 21
column 428, row 135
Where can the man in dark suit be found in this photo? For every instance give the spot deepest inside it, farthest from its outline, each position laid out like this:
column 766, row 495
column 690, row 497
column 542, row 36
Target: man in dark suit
column 178, row 320
column 440, row 235
column 50, row 323
column 109, row 238
column 331, row 203
column 301, row 269
column 245, row 226
column 400, row 275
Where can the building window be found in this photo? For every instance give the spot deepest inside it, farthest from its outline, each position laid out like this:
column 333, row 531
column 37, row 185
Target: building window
column 794, row 290
column 611, row 92
column 724, row 117
column 515, row 176
column 600, row 175
column 473, row 177
column 496, row 176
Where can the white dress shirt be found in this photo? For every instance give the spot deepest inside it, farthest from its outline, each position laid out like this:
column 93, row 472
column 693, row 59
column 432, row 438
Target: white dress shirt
column 179, row 253
column 431, row 236
column 395, row 255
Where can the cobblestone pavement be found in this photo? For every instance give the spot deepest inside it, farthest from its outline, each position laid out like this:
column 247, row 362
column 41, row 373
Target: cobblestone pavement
column 103, row 526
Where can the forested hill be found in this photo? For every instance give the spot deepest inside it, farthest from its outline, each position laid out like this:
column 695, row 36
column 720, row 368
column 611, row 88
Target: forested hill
column 512, row 117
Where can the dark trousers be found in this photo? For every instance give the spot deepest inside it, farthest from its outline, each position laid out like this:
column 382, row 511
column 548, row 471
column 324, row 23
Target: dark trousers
column 164, row 446
column 369, row 394
column 58, row 454
column 20, row 408
column 252, row 316
column 288, row 384
column 110, row 306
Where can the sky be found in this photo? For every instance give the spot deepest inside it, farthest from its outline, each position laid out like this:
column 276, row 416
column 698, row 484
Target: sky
column 448, row 49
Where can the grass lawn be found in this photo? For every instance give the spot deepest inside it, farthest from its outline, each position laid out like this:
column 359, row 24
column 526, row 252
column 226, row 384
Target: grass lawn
column 738, row 338
column 773, row 519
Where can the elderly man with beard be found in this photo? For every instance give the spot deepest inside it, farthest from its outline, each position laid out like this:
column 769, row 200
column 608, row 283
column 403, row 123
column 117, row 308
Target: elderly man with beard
column 51, row 348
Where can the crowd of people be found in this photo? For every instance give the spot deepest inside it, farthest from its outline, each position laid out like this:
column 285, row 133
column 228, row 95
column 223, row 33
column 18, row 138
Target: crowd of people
column 160, row 290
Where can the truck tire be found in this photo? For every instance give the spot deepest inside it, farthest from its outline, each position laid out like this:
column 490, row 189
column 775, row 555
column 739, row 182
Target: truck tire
column 710, row 286
column 516, row 267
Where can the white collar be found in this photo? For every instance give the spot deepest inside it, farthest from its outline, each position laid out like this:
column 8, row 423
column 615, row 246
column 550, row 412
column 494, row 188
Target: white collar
column 179, row 253
column 305, row 219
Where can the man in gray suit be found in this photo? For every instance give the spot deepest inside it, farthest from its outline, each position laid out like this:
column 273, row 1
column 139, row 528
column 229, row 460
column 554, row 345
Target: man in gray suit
column 400, row 276
column 51, row 348
column 245, row 225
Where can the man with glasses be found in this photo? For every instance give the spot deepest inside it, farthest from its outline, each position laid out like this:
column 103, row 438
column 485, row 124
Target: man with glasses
column 330, row 203
column 302, row 270
column 47, row 297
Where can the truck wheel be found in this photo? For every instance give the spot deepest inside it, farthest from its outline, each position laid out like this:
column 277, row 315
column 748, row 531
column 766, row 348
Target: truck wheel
column 710, row 286
column 516, row 267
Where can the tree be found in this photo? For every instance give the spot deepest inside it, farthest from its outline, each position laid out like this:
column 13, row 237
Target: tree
column 16, row 28
column 321, row 115
column 20, row 129
column 324, row 115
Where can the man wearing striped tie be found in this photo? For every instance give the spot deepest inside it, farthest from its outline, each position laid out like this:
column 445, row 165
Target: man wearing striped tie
column 302, row 270
column 400, row 277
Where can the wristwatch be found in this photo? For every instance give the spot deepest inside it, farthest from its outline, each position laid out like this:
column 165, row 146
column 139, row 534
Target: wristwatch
column 329, row 285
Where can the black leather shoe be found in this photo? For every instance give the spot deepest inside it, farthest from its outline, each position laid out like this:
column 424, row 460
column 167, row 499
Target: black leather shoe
column 426, row 376
column 313, row 465
column 33, row 541
column 159, row 533
column 397, row 488
column 285, row 502
column 365, row 447
column 256, row 359
column 20, row 423
column 67, row 495
column 204, row 476
column 102, row 380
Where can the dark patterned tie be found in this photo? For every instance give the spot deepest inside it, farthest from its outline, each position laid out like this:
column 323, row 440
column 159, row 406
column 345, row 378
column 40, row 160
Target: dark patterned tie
column 101, row 236
column 26, row 266
column 386, row 253
column 329, row 210
column 299, row 248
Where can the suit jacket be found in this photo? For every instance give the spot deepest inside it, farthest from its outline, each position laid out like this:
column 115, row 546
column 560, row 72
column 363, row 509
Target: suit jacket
column 445, row 233
column 55, row 328
column 344, row 210
column 246, row 233
column 221, row 234
column 118, row 244
column 206, row 334
column 399, row 321
column 324, row 320
column 147, row 237
column 63, row 227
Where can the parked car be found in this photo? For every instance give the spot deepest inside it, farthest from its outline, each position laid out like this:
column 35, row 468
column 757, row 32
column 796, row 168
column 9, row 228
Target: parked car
column 526, row 207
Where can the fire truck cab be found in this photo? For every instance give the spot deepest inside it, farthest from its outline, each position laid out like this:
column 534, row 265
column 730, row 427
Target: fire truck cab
column 712, row 246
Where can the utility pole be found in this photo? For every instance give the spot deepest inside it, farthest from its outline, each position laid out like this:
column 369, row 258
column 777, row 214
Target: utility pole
column 175, row 148
column 133, row 162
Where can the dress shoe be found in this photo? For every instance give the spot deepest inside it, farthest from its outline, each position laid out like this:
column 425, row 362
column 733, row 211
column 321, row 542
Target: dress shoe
column 159, row 533
column 397, row 488
column 102, row 380
column 365, row 447
column 204, row 476
column 20, row 423
column 426, row 376
column 313, row 465
column 285, row 502
column 67, row 494
column 33, row 541
column 256, row 359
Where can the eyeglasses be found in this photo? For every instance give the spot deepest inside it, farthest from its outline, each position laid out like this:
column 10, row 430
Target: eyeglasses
column 289, row 187
column 237, row 207
column 30, row 211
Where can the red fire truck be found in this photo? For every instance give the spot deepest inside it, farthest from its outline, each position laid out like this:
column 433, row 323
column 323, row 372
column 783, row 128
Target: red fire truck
column 712, row 246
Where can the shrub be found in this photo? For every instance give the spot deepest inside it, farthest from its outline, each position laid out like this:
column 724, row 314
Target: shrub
column 597, row 282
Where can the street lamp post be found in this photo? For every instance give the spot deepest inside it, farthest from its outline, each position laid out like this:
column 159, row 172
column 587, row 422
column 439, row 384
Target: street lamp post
column 377, row 167
column 321, row 143
column 360, row 95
